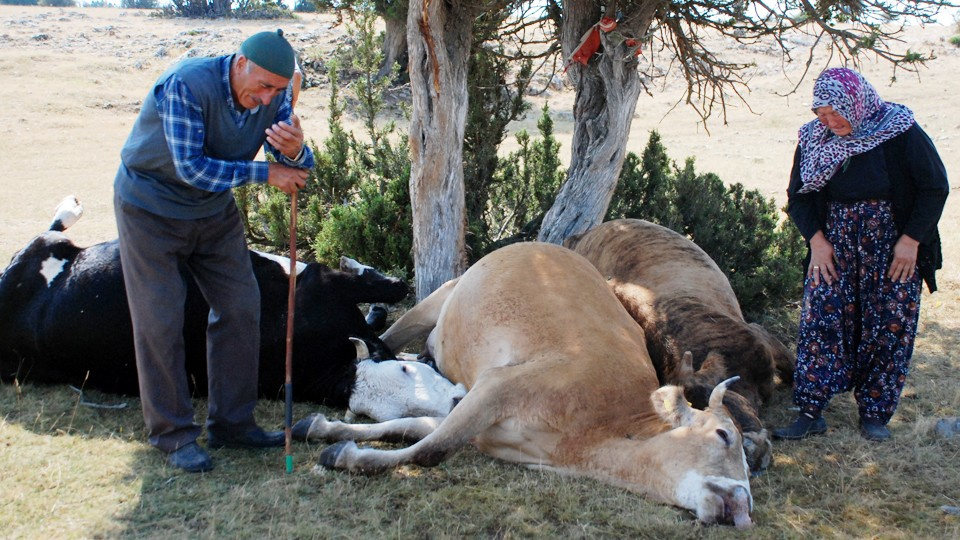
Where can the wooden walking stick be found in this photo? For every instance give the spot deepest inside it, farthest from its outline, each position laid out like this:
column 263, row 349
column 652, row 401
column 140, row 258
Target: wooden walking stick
column 291, row 302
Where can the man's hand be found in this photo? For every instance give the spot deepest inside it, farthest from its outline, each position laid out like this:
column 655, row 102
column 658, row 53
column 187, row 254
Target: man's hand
column 904, row 262
column 287, row 179
column 286, row 138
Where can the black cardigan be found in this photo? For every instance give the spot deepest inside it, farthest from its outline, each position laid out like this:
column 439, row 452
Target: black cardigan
column 915, row 184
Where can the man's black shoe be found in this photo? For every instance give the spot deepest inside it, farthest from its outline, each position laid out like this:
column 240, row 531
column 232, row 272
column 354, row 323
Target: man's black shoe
column 255, row 438
column 874, row 431
column 191, row 458
column 801, row 428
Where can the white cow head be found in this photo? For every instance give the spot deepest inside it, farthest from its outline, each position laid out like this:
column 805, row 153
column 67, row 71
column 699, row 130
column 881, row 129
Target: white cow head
column 392, row 389
column 709, row 469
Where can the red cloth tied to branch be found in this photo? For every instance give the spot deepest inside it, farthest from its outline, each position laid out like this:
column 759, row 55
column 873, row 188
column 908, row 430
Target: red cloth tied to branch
column 590, row 41
column 607, row 24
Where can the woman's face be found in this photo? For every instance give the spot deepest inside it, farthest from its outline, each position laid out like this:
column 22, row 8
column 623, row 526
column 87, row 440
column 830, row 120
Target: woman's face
column 834, row 121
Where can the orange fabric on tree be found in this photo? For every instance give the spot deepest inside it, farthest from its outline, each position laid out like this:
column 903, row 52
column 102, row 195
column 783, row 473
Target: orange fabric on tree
column 607, row 24
column 587, row 47
column 590, row 42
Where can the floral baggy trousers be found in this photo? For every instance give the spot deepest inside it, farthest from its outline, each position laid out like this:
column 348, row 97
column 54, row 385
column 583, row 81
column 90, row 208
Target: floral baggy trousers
column 857, row 333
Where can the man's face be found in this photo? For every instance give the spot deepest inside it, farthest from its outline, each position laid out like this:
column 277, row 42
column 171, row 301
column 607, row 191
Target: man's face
column 834, row 121
column 253, row 86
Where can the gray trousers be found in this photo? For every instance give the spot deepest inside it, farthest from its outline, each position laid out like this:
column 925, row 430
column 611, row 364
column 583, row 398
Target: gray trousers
column 213, row 250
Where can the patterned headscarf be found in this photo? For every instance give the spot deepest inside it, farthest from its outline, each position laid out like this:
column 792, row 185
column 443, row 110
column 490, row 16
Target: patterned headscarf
column 872, row 119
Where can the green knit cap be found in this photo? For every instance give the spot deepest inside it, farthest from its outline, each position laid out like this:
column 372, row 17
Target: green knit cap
column 270, row 51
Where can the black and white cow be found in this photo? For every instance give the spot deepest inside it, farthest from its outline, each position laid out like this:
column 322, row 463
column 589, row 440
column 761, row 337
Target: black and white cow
column 65, row 320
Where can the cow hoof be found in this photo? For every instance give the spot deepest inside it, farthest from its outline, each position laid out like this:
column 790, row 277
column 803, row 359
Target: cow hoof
column 301, row 430
column 330, row 454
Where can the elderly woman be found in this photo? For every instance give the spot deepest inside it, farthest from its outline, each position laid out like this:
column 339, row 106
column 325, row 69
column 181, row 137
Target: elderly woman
column 866, row 191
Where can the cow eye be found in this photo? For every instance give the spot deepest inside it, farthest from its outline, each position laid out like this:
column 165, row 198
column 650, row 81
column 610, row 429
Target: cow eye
column 405, row 368
column 724, row 436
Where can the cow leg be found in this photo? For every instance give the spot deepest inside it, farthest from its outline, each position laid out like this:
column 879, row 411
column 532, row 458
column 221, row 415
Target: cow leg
column 317, row 428
column 419, row 321
column 496, row 390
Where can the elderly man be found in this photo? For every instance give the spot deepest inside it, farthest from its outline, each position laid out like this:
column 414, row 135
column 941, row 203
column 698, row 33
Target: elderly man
column 200, row 128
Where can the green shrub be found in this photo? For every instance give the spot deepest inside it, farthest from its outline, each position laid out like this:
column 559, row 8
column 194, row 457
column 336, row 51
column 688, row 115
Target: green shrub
column 745, row 234
column 647, row 188
column 376, row 229
column 139, row 4
column 493, row 102
column 955, row 41
column 240, row 9
column 356, row 202
column 524, row 187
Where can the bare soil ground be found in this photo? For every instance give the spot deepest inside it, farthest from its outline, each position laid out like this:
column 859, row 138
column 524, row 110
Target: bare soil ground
column 71, row 81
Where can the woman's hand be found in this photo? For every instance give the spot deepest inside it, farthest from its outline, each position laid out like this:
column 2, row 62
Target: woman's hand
column 904, row 262
column 821, row 260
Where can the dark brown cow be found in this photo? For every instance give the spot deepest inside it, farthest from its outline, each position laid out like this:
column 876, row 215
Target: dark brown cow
column 684, row 302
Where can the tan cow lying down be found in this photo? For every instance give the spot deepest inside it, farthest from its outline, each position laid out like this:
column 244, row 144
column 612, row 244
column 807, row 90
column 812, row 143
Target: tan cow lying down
column 684, row 302
column 559, row 378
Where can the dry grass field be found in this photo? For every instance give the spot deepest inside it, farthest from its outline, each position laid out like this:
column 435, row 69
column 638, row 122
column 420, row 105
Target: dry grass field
column 71, row 81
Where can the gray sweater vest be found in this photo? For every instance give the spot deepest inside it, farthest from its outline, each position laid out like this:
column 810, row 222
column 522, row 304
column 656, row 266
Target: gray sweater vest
column 147, row 177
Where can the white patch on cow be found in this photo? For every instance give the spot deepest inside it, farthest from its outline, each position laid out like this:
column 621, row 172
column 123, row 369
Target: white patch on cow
column 284, row 262
column 692, row 492
column 51, row 268
column 398, row 389
column 68, row 212
column 348, row 264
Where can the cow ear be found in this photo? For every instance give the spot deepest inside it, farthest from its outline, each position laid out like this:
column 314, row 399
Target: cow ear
column 714, row 361
column 672, row 406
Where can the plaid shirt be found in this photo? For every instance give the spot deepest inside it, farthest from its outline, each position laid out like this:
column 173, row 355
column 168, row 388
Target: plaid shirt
column 185, row 132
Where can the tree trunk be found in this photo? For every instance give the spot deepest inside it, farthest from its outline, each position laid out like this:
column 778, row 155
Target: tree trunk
column 607, row 91
column 394, row 46
column 221, row 7
column 439, row 34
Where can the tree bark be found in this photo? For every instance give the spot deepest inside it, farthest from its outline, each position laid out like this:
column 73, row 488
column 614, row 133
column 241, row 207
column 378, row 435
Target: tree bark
column 394, row 45
column 222, row 7
column 439, row 34
column 607, row 91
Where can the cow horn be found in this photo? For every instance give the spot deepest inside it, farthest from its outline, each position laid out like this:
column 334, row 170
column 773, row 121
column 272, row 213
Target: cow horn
column 716, row 397
column 685, row 372
column 362, row 351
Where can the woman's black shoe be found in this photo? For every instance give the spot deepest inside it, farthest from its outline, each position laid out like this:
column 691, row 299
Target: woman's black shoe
column 801, row 428
column 873, row 431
